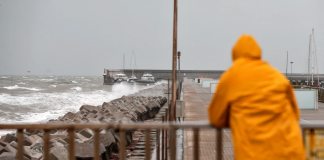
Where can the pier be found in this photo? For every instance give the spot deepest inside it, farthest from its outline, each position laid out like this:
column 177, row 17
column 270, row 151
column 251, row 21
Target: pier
column 196, row 102
column 296, row 78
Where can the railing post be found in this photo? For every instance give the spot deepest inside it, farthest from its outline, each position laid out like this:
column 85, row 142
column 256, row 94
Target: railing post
column 71, row 143
column 163, row 139
column 147, row 144
column 20, row 136
column 46, row 144
column 173, row 144
column 96, row 145
column 122, row 145
column 219, row 149
column 166, row 135
column 158, row 144
column 196, row 143
column 167, row 151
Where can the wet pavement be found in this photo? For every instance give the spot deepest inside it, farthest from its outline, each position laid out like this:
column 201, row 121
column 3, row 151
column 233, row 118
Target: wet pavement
column 196, row 102
column 313, row 116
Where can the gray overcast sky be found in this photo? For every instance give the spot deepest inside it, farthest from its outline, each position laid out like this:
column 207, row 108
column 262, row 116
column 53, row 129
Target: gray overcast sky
column 78, row 37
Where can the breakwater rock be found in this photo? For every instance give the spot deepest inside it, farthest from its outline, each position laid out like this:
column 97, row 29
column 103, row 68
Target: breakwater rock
column 138, row 107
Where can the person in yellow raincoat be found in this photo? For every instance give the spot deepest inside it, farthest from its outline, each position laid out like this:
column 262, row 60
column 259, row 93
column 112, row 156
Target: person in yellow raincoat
column 257, row 102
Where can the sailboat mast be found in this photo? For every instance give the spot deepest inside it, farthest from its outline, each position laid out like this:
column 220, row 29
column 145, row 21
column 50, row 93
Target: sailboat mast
column 309, row 55
column 315, row 56
column 124, row 64
column 312, row 67
column 132, row 65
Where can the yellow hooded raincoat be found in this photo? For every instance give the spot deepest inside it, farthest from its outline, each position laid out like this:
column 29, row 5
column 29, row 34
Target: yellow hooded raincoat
column 257, row 103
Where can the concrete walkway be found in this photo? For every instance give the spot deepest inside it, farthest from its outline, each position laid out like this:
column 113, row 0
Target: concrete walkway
column 196, row 100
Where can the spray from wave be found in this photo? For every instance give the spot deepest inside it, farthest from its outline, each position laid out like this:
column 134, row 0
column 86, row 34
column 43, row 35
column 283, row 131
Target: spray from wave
column 124, row 89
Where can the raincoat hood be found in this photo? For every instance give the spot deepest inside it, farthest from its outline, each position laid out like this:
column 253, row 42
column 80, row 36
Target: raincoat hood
column 246, row 47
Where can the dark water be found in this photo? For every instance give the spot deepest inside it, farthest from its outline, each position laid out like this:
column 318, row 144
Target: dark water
column 27, row 99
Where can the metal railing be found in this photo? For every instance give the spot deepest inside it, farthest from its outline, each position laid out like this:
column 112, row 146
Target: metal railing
column 164, row 128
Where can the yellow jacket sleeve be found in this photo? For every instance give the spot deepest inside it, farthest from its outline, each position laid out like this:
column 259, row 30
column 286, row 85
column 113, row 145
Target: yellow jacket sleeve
column 218, row 110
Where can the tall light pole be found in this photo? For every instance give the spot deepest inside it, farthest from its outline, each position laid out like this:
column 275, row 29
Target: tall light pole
column 174, row 60
column 179, row 54
column 291, row 71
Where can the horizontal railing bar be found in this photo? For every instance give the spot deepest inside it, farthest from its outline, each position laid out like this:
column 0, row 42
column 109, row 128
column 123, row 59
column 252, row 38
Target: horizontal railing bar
column 312, row 125
column 128, row 126
column 107, row 125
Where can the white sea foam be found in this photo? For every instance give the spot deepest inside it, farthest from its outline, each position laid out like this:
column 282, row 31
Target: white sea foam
column 74, row 82
column 4, row 132
column 40, row 107
column 53, row 86
column 17, row 87
column 3, row 77
column 77, row 88
column 16, row 100
column 46, row 80
column 21, row 83
column 44, row 106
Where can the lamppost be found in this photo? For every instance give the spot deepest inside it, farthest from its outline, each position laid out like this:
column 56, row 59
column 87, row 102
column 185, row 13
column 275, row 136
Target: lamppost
column 174, row 63
column 179, row 54
column 291, row 71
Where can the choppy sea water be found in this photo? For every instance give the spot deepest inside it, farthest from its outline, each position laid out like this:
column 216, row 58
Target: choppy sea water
column 30, row 99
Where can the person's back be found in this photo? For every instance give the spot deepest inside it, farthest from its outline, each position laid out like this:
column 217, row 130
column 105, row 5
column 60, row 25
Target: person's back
column 258, row 103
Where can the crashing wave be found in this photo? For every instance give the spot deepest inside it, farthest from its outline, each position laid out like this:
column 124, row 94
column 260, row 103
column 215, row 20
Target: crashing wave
column 17, row 87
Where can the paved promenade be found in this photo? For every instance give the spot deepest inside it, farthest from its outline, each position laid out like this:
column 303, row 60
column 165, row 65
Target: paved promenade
column 313, row 116
column 196, row 101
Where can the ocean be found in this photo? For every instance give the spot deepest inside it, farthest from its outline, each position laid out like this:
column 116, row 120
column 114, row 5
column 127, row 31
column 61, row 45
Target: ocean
column 37, row 99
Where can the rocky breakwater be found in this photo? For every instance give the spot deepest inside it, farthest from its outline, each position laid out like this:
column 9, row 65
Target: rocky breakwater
column 138, row 107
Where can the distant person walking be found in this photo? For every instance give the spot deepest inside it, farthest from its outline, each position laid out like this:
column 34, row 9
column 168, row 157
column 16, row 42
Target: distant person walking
column 257, row 102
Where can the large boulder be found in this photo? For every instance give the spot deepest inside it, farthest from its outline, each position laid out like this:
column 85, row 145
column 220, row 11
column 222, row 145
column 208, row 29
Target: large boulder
column 89, row 108
column 58, row 153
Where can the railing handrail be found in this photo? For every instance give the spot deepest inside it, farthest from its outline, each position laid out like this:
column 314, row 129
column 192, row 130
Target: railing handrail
column 312, row 125
column 123, row 127
column 126, row 126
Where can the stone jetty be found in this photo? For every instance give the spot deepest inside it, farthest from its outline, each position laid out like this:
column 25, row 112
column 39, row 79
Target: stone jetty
column 139, row 107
